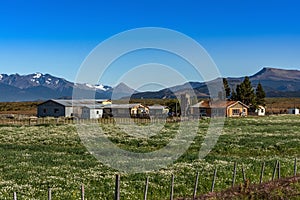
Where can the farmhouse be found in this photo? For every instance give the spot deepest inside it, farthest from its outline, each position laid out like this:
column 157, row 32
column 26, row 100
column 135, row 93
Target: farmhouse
column 67, row 108
column 220, row 108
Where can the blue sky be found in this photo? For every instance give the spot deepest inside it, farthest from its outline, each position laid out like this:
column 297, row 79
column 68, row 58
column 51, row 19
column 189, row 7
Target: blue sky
column 55, row 36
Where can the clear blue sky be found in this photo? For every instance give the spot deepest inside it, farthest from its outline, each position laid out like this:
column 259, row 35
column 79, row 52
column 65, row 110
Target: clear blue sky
column 55, row 36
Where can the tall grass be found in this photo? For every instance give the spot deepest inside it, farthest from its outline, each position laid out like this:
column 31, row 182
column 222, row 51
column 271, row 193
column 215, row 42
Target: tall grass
column 34, row 158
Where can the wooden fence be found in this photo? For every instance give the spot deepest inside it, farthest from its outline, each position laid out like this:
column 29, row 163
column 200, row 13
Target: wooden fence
column 276, row 174
column 60, row 121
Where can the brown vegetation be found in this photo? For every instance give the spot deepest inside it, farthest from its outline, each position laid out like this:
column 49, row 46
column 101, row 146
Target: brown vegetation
column 20, row 108
column 281, row 105
column 285, row 188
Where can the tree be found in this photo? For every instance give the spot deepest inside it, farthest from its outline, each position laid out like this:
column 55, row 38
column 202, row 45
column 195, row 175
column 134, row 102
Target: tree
column 260, row 95
column 226, row 88
column 233, row 96
column 239, row 94
column 247, row 93
column 244, row 92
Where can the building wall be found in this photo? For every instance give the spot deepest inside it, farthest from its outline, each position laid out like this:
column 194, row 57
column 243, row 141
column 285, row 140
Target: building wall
column 51, row 109
column 237, row 110
column 261, row 111
column 85, row 113
column 69, row 112
column 294, row 111
column 202, row 112
column 96, row 113
column 91, row 113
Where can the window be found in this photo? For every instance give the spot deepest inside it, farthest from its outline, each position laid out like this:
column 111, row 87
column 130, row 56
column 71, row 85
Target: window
column 235, row 111
column 44, row 110
column 202, row 111
column 56, row 110
column 97, row 112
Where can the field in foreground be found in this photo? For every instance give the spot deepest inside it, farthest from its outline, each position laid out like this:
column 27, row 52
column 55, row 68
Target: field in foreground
column 34, row 158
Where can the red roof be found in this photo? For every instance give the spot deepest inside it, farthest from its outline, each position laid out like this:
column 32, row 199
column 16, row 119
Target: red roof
column 217, row 104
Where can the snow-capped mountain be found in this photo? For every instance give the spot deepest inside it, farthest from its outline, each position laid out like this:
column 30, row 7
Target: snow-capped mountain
column 38, row 86
column 34, row 80
column 98, row 86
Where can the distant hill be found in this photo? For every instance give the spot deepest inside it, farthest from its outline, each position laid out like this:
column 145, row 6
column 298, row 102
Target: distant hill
column 38, row 86
column 276, row 83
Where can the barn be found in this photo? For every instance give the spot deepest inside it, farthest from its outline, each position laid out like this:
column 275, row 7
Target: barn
column 66, row 107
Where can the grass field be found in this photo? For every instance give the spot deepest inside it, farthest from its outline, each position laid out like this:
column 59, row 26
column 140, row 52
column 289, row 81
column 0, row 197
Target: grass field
column 34, row 158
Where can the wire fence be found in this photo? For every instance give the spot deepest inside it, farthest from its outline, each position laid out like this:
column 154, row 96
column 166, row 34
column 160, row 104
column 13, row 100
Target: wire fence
column 276, row 174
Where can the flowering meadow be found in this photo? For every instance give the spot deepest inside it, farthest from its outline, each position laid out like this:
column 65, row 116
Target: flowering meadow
column 35, row 158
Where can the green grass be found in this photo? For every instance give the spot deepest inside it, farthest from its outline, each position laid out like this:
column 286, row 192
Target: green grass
column 37, row 157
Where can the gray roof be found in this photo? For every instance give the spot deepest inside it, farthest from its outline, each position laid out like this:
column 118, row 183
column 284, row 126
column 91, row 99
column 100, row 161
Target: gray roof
column 94, row 106
column 121, row 105
column 157, row 107
column 78, row 102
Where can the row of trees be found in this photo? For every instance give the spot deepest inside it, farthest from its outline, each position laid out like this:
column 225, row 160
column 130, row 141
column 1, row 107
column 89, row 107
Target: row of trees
column 245, row 93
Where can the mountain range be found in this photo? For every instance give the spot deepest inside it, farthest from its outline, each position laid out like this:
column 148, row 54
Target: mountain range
column 38, row 86
column 276, row 83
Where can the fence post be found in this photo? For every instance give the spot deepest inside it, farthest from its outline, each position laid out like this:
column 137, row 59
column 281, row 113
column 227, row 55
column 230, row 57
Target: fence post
column 146, row 188
column 117, row 187
column 49, row 194
column 214, row 180
column 278, row 172
column 172, row 187
column 15, row 196
column 234, row 174
column 82, row 192
column 244, row 174
column 196, row 185
column 295, row 166
column 262, row 172
column 274, row 171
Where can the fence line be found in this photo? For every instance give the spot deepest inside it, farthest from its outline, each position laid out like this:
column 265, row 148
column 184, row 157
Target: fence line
column 172, row 182
column 61, row 121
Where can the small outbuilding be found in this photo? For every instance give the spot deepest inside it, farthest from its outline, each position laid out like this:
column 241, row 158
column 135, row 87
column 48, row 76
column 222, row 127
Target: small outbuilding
column 158, row 111
column 92, row 112
column 293, row 111
column 260, row 111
